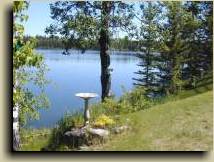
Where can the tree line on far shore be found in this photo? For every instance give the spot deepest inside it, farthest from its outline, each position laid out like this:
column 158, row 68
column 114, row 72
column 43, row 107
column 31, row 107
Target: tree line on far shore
column 48, row 42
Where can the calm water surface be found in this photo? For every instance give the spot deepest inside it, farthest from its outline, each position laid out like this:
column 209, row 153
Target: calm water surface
column 79, row 73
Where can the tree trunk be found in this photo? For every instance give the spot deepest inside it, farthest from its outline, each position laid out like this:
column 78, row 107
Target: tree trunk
column 16, row 136
column 104, row 50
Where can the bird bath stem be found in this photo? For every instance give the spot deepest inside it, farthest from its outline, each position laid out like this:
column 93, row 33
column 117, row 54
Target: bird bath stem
column 86, row 112
column 86, row 97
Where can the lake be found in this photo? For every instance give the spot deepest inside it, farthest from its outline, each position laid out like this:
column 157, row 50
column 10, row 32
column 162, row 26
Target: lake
column 74, row 73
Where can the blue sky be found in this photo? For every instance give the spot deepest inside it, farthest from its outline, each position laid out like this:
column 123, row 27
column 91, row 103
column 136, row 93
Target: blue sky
column 39, row 18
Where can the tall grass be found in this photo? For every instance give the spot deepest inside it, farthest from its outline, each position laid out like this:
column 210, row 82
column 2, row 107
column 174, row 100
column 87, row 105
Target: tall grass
column 66, row 123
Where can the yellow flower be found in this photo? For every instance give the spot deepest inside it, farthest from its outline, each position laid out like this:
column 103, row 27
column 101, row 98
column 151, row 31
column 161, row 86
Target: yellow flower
column 103, row 121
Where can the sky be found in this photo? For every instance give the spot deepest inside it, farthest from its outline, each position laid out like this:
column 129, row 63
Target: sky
column 39, row 18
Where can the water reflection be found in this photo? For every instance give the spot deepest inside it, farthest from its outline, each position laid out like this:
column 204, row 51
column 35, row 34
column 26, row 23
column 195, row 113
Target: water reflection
column 88, row 56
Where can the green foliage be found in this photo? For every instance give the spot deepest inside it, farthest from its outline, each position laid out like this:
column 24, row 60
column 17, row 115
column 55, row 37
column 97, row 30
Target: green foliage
column 81, row 22
column 147, row 35
column 122, row 44
column 19, row 6
column 28, row 67
column 184, row 59
column 129, row 102
column 71, row 120
column 173, row 46
column 136, row 100
column 110, row 107
column 176, row 32
column 199, row 37
column 29, row 136
column 66, row 123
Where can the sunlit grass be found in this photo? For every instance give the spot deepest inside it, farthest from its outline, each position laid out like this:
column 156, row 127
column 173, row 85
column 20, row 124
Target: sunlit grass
column 177, row 125
column 34, row 139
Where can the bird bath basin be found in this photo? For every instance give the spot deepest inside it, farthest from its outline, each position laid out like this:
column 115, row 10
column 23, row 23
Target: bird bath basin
column 86, row 97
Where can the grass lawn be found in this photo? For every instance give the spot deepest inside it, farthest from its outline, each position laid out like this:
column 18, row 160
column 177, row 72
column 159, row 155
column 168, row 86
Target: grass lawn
column 178, row 125
column 34, row 140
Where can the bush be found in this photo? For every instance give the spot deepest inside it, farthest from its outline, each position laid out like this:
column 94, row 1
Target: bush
column 129, row 102
column 111, row 106
column 136, row 100
column 71, row 120
column 68, row 122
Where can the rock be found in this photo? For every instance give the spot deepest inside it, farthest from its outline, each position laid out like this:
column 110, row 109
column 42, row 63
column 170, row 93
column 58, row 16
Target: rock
column 75, row 132
column 98, row 132
column 97, row 136
column 121, row 129
column 84, row 148
column 76, row 137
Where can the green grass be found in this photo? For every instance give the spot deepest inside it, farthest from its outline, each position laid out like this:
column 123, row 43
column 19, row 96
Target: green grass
column 34, row 139
column 177, row 125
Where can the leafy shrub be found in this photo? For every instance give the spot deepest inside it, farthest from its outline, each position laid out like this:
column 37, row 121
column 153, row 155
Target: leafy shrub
column 129, row 102
column 65, row 124
column 110, row 106
column 71, row 120
column 96, row 110
column 136, row 100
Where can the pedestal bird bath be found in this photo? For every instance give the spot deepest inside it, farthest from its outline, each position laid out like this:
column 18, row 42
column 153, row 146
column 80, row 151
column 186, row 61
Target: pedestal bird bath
column 86, row 97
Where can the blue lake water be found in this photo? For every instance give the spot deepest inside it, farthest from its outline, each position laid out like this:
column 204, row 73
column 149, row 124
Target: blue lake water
column 70, row 74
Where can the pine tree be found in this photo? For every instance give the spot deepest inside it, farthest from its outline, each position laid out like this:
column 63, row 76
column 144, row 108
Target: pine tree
column 173, row 48
column 148, row 43
column 207, row 32
column 198, row 36
column 191, row 36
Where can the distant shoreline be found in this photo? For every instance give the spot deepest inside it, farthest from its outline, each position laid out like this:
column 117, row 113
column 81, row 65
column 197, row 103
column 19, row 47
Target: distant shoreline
column 91, row 51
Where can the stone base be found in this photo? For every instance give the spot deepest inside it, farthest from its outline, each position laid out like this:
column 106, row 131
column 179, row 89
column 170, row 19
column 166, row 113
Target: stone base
column 75, row 138
column 84, row 136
